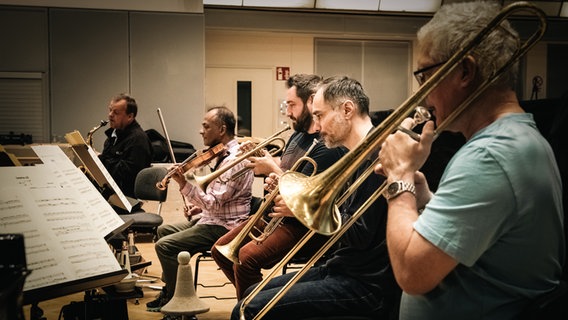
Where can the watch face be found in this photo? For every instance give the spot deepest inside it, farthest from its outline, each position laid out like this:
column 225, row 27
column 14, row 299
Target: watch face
column 393, row 188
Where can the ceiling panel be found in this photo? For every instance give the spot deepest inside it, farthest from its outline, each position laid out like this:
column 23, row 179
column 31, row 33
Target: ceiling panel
column 551, row 8
column 367, row 5
column 280, row 3
column 410, row 5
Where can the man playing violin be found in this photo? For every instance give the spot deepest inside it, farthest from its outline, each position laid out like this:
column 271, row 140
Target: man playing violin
column 256, row 256
column 223, row 206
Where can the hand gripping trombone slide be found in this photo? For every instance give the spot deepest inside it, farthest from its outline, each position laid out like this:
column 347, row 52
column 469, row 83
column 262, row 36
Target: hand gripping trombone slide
column 315, row 205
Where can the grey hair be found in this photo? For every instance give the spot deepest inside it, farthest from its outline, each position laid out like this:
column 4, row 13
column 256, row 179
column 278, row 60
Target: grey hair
column 455, row 24
column 337, row 89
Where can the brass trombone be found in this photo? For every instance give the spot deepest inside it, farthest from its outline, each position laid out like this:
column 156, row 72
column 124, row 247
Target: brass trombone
column 205, row 180
column 315, row 203
column 231, row 249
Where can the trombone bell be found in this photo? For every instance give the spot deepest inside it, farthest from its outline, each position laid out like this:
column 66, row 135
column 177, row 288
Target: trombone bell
column 303, row 197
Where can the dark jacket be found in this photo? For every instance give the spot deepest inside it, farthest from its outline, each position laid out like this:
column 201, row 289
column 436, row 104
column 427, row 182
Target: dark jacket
column 124, row 158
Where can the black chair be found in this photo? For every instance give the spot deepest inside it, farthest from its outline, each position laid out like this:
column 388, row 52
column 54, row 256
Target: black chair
column 145, row 190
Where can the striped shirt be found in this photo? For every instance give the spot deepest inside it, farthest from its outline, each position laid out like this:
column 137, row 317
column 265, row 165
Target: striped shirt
column 227, row 203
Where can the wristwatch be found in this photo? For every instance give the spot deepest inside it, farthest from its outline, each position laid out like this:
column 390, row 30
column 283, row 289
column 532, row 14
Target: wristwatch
column 397, row 187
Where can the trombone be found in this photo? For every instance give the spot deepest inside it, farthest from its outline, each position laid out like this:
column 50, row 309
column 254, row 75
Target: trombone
column 231, row 249
column 315, row 203
column 205, row 180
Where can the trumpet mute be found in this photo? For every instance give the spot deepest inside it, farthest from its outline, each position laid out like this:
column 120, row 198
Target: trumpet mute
column 184, row 301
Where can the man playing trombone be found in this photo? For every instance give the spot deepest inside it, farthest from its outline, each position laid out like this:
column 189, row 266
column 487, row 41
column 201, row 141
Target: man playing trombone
column 491, row 238
column 357, row 279
column 254, row 256
column 224, row 204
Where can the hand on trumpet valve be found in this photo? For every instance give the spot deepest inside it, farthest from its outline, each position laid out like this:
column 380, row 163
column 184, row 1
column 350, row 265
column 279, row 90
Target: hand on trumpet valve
column 263, row 165
column 280, row 209
column 271, row 182
column 245, row 147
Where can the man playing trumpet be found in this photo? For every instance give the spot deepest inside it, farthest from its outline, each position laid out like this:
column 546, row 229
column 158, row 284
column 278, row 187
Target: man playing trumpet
column 253, row 256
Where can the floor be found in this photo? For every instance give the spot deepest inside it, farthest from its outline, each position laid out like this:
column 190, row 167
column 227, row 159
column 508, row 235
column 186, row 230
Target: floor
column 208, row 275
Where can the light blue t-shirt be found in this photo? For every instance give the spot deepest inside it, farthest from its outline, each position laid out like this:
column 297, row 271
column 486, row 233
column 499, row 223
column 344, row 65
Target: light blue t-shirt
column 498, row 212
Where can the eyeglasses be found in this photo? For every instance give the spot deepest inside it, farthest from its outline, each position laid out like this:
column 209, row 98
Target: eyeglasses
column 420, row 73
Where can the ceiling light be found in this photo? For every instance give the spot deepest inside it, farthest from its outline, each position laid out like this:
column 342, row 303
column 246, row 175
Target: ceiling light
column 410, row 5
column 280, row 3
column 223, row 2
column 369, row 5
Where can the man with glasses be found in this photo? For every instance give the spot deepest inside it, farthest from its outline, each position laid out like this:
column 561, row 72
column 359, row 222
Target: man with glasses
column 490, row 239
column 422, row 74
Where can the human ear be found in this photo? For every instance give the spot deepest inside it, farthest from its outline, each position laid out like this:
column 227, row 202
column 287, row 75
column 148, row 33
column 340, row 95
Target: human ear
column 469, row 70
column 348, row 109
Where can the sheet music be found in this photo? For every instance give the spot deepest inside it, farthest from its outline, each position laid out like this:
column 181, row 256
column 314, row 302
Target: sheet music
column 109, row 178
column 66, row 174
column 61, row 242
column 97, row 169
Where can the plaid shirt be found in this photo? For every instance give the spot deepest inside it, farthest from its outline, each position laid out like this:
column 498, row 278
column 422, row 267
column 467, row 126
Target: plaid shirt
column 225, row 204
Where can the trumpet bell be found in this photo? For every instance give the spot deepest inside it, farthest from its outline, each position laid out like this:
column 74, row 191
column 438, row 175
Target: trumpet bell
column 303, row 195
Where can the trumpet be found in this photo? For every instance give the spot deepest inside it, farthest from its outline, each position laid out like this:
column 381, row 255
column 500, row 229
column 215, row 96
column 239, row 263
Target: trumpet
column 273, row 152
column 315, row 203
column 90, row 134
column 231, row 249
column 193, row 161
column 205, row 180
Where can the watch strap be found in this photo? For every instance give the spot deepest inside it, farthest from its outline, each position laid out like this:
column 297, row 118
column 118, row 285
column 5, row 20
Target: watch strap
column 395, row 188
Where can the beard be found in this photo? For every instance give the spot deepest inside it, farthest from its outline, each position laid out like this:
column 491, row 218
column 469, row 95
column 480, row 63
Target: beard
column 304, row 121
column 340, row 129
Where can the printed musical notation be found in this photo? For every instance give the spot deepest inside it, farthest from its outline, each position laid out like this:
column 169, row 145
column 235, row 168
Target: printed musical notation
column 63, row 219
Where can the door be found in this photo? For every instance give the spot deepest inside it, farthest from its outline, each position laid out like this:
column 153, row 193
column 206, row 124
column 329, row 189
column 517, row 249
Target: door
column 223, row 86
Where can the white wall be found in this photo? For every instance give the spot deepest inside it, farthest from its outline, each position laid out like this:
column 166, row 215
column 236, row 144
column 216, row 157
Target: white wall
column 88, row 56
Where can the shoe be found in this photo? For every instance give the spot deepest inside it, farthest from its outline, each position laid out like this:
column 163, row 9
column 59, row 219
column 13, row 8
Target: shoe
column 158, row 303
column 170, row 317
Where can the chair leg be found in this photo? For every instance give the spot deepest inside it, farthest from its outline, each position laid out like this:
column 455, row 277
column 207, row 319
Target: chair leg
column 207, row 257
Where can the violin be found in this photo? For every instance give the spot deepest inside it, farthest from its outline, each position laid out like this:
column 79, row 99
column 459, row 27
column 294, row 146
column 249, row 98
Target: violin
column 193, row 161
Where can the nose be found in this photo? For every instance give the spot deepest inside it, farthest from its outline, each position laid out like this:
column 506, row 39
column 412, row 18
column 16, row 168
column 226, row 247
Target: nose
column 317, row 126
